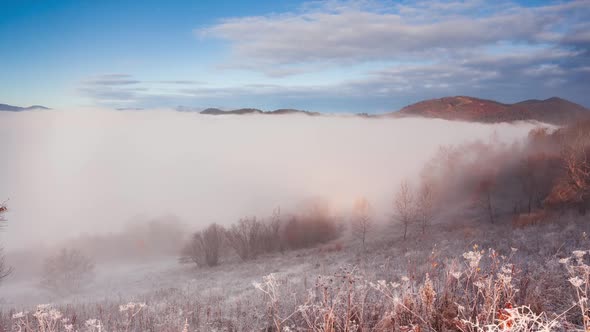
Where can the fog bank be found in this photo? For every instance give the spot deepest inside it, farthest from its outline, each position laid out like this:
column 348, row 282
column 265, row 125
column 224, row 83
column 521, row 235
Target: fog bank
column 70, row 172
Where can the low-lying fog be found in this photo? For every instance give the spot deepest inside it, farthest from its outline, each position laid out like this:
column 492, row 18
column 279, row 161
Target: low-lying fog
column 67, row 173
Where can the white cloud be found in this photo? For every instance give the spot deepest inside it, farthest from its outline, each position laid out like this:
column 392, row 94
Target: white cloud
column 380, row 56
column 355, row 32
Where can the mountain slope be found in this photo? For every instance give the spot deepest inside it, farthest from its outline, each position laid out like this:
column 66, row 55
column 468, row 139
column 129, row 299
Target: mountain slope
column 553, row 110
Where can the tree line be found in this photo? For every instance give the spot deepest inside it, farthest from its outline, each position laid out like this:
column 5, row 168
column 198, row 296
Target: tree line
column 250, row 236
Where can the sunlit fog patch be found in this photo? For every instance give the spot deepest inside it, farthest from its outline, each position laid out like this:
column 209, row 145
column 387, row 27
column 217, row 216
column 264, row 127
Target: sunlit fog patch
column 72, row 172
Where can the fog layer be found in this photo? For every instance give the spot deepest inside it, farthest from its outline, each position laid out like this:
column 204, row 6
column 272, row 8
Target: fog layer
column 72, row 172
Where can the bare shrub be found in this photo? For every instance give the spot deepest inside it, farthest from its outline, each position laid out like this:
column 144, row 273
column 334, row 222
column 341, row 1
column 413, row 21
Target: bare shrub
column 244, row 237
column 205, row 246
column 312, row 226
column 67, row 271
column 269, row 234
column 404, row 207
column 362, row 220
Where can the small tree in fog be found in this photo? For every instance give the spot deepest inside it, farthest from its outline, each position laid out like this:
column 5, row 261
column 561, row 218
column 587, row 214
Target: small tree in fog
column 483, row 198
column 205, row 246
column 574, row 187
column 244, row 237
column 275, row 229
column 405, row 212
column 270, row 236
column 212, row 243
column 5, row 270
column 312, row 225
column 534, row 173
column 425, row 205
column 67, row 271
column 362, row 220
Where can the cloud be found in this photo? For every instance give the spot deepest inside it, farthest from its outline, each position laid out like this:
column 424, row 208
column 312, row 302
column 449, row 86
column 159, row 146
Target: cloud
column 113, row 90
column 181, row 82
column 506, row 78
column 380, row 56
column 354, row 32
column 112, row 79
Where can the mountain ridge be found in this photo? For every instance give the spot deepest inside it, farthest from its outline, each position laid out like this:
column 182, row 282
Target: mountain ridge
column 554, row 110
column 464, row 108
column 11, row 108
column 245, row 111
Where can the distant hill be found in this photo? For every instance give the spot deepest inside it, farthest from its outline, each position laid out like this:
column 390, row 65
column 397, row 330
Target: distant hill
column 293, row 111
column 461, row 108
column 129, row 109
column 243, row 111
column 10, row 108
column 553, row 110
column 212, row 111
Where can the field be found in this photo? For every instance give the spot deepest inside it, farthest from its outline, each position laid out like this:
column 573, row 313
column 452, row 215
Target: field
column 459, row 278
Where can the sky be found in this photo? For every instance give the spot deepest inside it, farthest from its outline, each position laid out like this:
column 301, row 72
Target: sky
column 327, row 56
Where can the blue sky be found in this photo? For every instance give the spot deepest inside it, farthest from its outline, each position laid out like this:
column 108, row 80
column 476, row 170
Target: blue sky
column 331, row 56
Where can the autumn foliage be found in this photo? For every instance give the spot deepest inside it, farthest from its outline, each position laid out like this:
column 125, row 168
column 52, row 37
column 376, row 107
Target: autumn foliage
column 549, row 173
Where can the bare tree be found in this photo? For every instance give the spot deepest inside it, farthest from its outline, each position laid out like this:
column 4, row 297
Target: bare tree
column 362, row 220
column 425, row 209
column 5, row 270
column 483, row 198
column 528, row 180
column 536, row 173
column 205, row 246
column 571, row 188
column 67, row 270
column 404, row 206
column 244, row 237
column 274, row 227
column 576, row 161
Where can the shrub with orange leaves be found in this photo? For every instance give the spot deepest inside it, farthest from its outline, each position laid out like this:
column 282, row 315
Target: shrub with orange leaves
column 505, row 319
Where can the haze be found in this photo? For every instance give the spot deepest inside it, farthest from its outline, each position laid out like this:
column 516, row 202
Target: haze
column 71, row 172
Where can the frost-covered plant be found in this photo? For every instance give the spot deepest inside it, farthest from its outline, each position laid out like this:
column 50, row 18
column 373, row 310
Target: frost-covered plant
column 337, row 303
column 579, row 277
column 94, row 325
column 46, row 319
column 417, row 290
column 21, row 321
column 488, row 290
column 520, row 319
column 131, row 310
column 186, row 326
column 270, row 287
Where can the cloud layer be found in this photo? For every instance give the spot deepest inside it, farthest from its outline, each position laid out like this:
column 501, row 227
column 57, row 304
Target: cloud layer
column 351, row 33
column 382, row 55
column 71, row 172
